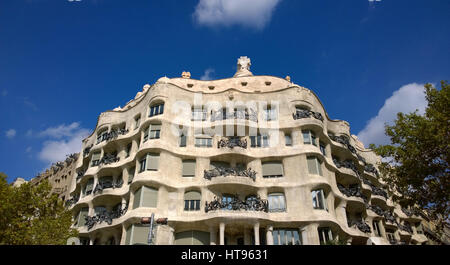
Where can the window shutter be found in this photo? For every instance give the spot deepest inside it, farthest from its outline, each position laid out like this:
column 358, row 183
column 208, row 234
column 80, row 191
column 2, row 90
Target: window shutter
column 83, row 213
column 140, row 234
column 189, row 168
column 319, row 166
column 152, row 162
column 306, row 137
column 192, row 195
column 90, row 184
column 312, row 165
column 150, row 197
column 272, row 169
column 96, row 156
column 128, row 235
column 137, row 198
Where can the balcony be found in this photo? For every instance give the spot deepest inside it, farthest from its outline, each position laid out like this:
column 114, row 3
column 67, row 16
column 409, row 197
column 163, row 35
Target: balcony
column 405, row 227
column 346, row 164
column 80, row 174
column 360, row 224
column 105, row 217
column 410, row 213
column 232, row 142
column 220, row 171
column 87, row 150
column 220, row 115
column 113, row 134
column 107, row 185
column 352, row 191
column 342, row 139
column 385, row 213
column 304, row 113
column 109, row 158
column 72, row 201
column 253, row 203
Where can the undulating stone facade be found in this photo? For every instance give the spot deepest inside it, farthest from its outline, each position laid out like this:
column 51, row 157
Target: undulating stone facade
column 243, row 160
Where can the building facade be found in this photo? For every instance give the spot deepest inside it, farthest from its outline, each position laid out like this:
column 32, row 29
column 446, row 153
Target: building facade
column 237, row 161
column 59, row 176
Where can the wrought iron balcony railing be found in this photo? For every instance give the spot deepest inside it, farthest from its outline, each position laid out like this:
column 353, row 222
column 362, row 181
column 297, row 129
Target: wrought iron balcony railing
column 72, row 201
column 232, row 142
column 405, row 227
column 87, row 150
column 109, row 158
column 352, row 190
column 303, row 113
column 80, row 174
column 360, row 224
column 229, row 171
column 113, row 134
column 220, row 115
column 347, row 164
column 105, row 217
column 385, row 213
column 107, row 185
column 254, row 203
column 410, row 212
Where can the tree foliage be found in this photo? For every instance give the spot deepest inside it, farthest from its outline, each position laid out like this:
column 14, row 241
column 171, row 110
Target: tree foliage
column 416, row 163
column 32, row 215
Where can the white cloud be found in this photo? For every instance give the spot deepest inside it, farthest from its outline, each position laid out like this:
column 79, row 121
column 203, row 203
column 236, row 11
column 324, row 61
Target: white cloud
column 248, row 13
column 407, row 99
column 10, row 133
column 64, row 140
column 207, row 75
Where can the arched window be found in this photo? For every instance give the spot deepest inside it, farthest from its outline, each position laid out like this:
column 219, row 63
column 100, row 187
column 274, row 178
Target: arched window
column 192, row 201
column 156, row 109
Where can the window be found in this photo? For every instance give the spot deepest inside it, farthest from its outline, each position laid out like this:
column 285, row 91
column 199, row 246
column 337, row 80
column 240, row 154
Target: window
column 189, row 168
column 102, row 136
column 272, row 169
column 95, row 159
column 89, row 187
column 203, row 142
column 131, row 174
column 270, row 114
column 149, row 162
column 155, row 130
column 145, row 197
column 192, row 201
column 419, row 228
column 309, row 137
column 128, row 150
column 226, row 200
column 183, row 140
column 192, row 238
column 376, row 228
column 156, row 110
column 80, row 220
column 286, row 237
column 319, row 200
column 288, row 139
column 99, row 209
column 198, row 114
column 259, row 141
column 325, row 235
column 277, row 202
column 314, row 165
column 137, row 234
column 137, row 122
column 143, row 164
column 322, row 149
column 390, row 235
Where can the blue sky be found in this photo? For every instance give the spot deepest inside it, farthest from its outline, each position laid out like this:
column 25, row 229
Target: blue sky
column 64, row 62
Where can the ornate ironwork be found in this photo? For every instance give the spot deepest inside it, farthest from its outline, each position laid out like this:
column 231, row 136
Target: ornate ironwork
column 344, row 140
column 87, row 150
column 229, row 171
column 219, row 115
column 405, row 227
column 72, row 201
column 304, row 113
column 113, row 134
column 347, row 164
column 352, row 190
column 105, row 217
column 109, row 158
column 410, row 212
column 254, row 203
column 360, row 224
column 232, row 142
column 101, row 185
column 80, row 174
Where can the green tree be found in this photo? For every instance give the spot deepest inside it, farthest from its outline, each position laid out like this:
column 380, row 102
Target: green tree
column 32, row 215
column 416, row 163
